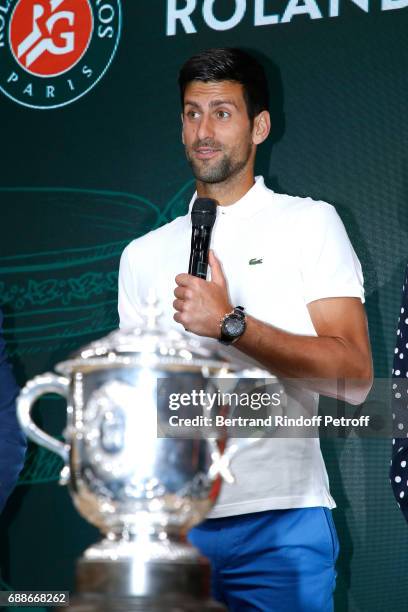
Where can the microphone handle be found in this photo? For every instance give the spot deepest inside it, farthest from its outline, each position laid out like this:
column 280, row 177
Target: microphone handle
column 200, row 244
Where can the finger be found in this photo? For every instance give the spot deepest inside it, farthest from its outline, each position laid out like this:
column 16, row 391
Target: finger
column 181, row 318
column 179, row 305
column 182, row 293
column 184, row 280
column 177, row 317
column 217, row 274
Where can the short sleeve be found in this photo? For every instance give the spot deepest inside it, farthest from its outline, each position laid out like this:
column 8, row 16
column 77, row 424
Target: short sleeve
column 128, row 301
column 328, row 262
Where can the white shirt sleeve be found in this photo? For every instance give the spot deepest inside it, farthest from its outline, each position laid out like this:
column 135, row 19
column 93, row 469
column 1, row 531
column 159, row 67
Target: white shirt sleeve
column 128, row 301
column 329, row 264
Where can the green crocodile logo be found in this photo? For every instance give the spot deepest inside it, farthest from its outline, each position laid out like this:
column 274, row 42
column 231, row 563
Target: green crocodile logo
column 255, row 260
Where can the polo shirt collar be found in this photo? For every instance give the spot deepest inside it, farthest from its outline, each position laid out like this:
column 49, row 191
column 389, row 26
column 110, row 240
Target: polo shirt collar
column 253, row 201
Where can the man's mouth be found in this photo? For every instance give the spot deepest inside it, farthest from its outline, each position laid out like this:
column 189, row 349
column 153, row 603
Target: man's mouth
column 206, row 152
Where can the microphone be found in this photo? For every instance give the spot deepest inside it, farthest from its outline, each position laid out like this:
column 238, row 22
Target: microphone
column 203, row 217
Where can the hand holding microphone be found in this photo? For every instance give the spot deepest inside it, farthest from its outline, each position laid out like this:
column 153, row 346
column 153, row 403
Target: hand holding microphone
column 200, row 304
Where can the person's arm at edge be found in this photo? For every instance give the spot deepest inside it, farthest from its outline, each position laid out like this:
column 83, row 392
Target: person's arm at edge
column 13, row 443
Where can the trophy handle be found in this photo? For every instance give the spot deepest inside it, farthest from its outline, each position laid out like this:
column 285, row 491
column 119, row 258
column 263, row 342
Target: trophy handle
column 35, row 388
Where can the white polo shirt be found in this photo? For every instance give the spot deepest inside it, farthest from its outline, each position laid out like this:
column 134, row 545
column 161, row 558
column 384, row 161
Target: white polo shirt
column 278, row 253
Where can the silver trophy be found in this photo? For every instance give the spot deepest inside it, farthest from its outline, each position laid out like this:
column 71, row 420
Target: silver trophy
column 142, row 491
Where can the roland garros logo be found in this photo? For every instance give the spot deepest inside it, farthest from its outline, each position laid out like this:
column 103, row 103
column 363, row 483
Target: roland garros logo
column 52, row 52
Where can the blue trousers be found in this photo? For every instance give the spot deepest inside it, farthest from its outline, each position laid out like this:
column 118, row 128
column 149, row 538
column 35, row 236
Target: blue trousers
column 274, row 561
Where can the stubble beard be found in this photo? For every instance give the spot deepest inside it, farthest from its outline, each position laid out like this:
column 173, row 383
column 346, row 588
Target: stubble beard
column 224, row 169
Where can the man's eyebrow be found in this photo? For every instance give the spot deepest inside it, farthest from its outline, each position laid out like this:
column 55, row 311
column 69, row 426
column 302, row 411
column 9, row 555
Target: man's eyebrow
column 191, row 103
column 213, row 103
column 222, row 102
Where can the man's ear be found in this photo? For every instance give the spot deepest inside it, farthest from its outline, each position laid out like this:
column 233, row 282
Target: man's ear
column 261, row 128
column 182, row 125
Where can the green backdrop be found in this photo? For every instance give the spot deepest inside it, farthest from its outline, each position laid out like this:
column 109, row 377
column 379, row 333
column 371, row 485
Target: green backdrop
column 78, row 182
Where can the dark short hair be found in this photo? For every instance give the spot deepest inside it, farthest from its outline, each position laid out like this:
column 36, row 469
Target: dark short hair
column 229, row 65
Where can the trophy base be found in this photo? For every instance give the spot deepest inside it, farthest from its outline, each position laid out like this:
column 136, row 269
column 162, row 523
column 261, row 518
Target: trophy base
column 152, row 576
column 101, row 603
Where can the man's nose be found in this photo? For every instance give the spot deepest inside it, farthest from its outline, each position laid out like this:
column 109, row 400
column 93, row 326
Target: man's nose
column 205, row 128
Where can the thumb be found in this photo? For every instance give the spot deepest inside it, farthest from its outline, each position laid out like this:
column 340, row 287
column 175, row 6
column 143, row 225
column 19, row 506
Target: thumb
column 217, row 274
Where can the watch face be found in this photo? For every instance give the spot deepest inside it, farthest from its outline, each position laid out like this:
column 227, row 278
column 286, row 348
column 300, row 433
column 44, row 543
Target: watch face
column 233, row 326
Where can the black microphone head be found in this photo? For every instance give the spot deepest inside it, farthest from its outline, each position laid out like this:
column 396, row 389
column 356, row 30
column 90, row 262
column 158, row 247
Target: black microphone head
column 204, row 212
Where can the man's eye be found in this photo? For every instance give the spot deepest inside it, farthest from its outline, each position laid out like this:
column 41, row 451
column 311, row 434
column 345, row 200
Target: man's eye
column 221, row 114
column 192, row 114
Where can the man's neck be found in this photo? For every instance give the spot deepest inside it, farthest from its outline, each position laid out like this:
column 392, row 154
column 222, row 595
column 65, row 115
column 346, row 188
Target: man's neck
column 228, row 192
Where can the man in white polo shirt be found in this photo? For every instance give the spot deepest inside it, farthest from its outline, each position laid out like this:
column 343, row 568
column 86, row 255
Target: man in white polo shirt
column 288, row 261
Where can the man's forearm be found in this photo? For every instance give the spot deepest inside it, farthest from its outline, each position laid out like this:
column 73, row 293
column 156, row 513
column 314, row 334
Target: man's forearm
column 339, row 351
column 297, row 356
column 320, row 361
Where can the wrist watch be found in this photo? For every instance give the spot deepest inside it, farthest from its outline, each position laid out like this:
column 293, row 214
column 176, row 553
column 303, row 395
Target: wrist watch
column 232, row 325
